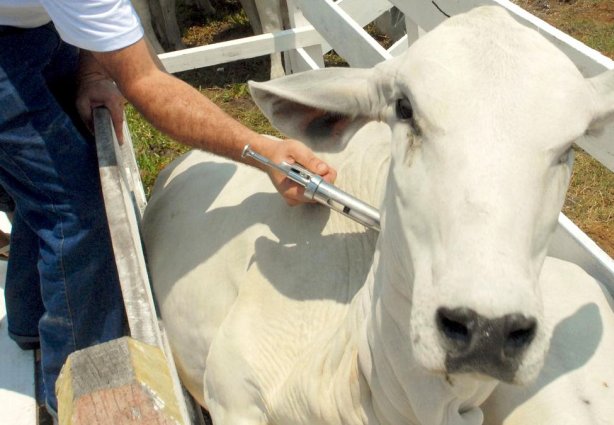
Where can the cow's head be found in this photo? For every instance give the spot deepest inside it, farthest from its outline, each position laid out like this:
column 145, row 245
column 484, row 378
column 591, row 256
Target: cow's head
column 483, row 113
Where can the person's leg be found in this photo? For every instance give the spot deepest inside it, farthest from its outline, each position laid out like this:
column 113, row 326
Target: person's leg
column 51, row 172
column 22, row 290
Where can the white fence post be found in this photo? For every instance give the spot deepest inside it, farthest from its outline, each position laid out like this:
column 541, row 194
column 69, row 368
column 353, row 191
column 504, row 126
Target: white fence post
column 301, row 59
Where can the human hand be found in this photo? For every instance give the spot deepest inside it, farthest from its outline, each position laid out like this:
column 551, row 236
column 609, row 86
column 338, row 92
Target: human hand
column 96, row 90
column 292, row 151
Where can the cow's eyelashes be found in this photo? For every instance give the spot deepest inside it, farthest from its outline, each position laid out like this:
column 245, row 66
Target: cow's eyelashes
column 404, row 110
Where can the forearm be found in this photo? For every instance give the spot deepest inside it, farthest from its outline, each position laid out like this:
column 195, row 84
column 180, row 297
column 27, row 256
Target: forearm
column 176, row 108
column 183, row 113
column 189, row 117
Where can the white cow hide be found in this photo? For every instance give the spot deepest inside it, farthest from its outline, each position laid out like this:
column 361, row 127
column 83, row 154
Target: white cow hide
column 575, row 387
column 281, row 315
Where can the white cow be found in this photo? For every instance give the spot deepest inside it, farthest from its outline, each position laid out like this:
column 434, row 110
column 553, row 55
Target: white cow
column 300, row 316
column 576, row 385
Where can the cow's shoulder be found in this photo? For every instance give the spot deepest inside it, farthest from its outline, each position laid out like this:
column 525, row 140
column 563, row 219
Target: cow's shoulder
column 575, row 385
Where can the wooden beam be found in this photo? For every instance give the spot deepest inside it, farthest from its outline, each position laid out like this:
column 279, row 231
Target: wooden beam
column 124, row 203
column 121, row 382
column 344, row 34
column 302, row 58
column 364, row 12
column 244, row 48
column 118, row 198
column 571, row 244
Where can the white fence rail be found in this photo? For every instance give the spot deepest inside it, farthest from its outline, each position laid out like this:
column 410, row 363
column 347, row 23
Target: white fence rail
column 322, row 24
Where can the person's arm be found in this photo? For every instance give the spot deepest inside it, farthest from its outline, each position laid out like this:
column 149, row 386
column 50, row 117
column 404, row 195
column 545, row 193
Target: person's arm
column 187, row 116
column 96, row 88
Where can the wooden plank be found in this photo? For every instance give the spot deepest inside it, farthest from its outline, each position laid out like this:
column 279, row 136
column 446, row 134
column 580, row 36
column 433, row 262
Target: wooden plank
column 127, row 247
column 124, row 201
column 17, row 389
column 192, row 408
column 120, row 382
column 132, row 174
column 345, row 35
column 364, row 12
column 571, row 244
column 302, row 58
column 244, row 48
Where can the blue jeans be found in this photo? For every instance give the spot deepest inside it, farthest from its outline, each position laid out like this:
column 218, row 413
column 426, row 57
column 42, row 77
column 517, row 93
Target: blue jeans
column 62, row 284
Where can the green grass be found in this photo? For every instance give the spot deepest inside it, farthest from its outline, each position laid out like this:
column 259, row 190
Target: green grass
column 153, row 150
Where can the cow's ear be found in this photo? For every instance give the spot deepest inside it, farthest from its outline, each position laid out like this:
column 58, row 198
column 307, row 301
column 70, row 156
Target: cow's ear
column 322, row 108
column 604, row 100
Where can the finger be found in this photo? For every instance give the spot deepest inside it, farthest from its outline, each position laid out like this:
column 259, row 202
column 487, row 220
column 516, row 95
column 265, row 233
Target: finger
column 85, row 112
column 306, row 157
column 330, row 176
column 117, row 117
column 292, row 193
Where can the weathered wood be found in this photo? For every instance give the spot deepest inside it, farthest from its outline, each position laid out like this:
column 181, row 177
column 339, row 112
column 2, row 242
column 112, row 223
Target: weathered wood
column 124, row 203
column 134, row 281
column 132, row 174
column 120, row 382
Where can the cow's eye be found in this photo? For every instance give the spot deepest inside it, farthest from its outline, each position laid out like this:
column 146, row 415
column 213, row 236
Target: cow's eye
column 404, row 110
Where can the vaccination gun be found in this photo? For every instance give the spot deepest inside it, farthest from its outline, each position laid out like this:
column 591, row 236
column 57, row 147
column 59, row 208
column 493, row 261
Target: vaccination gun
column 318, row 189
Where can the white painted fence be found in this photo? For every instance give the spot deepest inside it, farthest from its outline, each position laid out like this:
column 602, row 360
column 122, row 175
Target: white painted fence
column 319, row 25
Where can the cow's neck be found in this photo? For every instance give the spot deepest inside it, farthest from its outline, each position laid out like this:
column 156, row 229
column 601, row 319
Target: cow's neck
column 339, row 394
column 401, row 390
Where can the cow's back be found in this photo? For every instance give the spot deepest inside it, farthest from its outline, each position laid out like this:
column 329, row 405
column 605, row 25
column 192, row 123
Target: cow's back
column 227, row 254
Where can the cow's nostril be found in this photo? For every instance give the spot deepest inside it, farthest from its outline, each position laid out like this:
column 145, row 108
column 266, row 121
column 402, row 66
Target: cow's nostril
column 520, row 333
column 455, row 325
column 454, row 330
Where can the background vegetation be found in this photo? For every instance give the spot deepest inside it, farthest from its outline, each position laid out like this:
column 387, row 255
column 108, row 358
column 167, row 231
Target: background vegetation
column 590, row 200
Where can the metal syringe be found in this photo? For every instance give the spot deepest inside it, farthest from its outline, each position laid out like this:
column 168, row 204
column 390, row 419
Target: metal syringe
column 318, row 189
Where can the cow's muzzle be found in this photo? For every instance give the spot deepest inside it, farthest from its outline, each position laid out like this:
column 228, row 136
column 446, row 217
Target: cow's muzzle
column 475, row 344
